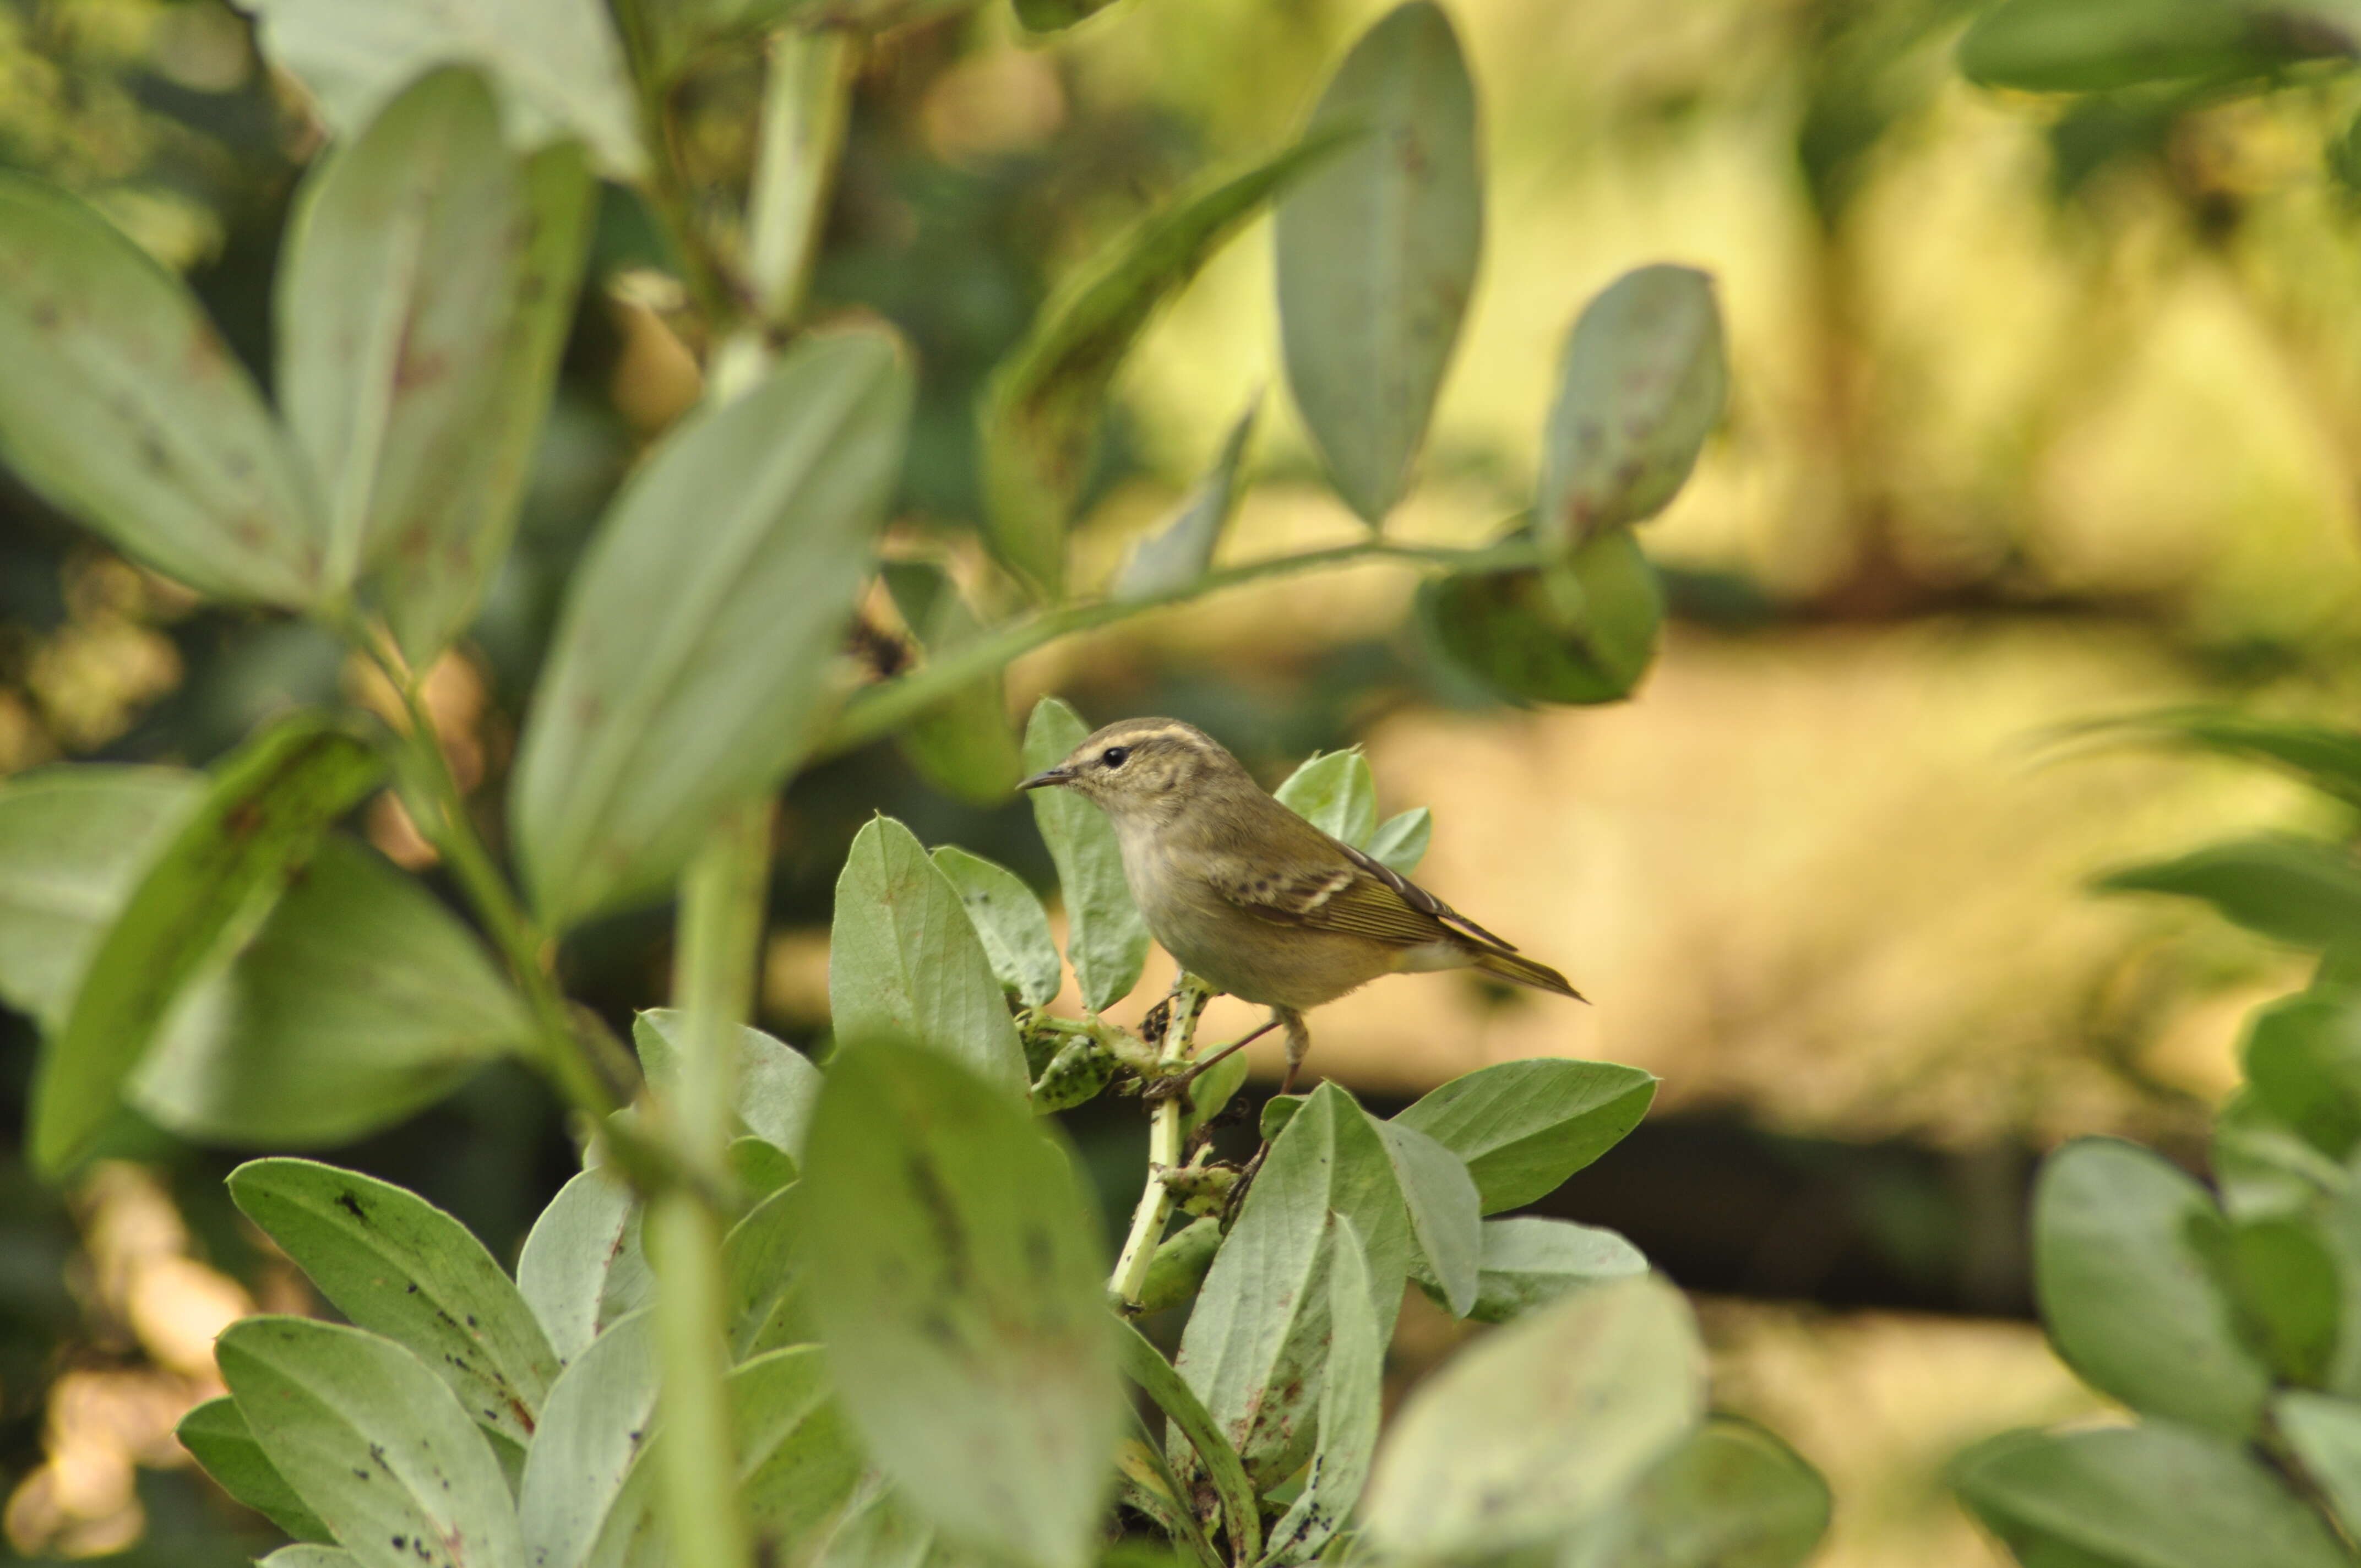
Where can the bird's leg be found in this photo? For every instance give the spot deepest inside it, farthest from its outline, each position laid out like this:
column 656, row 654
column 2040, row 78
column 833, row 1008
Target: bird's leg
column 1299, row 1041
column 1179, row 1084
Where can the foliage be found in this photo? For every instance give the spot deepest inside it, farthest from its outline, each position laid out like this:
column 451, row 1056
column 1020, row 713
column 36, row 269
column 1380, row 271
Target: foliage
column 852, row 1313
column 2229, row 1318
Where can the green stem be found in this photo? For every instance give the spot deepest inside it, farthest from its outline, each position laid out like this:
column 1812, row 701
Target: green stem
column 713, row 984
column 1155, row 1210
column 879, row 710
column 807, row 100
column 439, row 809
column 668, row 197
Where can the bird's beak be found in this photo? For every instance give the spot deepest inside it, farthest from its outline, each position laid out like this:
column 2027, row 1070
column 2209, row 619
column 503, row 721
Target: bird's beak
column 1042, row 780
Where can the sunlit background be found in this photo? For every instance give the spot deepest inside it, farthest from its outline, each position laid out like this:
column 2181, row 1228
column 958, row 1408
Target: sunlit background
column 2037, row 418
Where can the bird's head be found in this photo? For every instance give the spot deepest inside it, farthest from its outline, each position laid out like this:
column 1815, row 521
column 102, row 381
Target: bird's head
column 1147, row 770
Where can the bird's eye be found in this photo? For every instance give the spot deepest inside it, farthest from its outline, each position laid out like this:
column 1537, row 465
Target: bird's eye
column 1113, row 755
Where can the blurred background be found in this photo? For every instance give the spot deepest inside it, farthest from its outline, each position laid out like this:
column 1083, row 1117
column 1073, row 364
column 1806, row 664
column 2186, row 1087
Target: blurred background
column 2039, row 416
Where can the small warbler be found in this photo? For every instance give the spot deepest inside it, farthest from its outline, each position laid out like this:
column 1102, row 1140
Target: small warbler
column 1253, row 899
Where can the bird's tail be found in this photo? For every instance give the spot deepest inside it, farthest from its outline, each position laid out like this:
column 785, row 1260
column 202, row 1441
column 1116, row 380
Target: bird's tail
column 1524, row 970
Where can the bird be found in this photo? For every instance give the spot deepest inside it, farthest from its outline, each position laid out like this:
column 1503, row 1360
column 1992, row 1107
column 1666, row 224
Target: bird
column 1256, row 901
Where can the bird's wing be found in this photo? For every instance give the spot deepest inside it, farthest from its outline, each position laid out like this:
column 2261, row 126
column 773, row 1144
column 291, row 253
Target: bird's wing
column 1350, row 894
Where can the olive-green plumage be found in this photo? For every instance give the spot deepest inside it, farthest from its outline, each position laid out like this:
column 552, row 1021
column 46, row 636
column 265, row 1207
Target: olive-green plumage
column 1251, row 897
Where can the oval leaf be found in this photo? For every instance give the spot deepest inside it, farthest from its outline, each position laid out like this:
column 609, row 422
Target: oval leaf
column 1351, row 1386
column 558, row 63
column 124, row 407
column 1529, row 1431
column 761, row 1261
column 582, row 1268
column 684, row 675
column 1041, row 414
column 393, row 300
column 1525, row 1126
column 361, row 1001
column 397, row 1266
column 261, row 818
column 73, row 843
column 955, row 1274
column 2297, row 891
column 2126, row 1293
column 1106, row 938
column 1585, row 632
column 217, row 1433
column 2157, row 1496
column 1443, row 1214
column 1335, row 793
column 1732, row 1497
column 1529, row 1263
column 2094, row 46
column 374, row 1443
column 1640, row 388
column 431, row 576
column 2326, row 1435
column 1378, row 253
column 1400, row 840
column 776, row 1084
column 1010, row 923
column 903, row 961
column 1180, row 553
column 598, row 1416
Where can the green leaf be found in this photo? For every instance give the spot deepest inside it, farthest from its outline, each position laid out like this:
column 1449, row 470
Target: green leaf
column 2124, row 1290
column 1179, row 1264
column 2154, row 1496
column 1584, row 632
column 2326, row 1435
column 262, row 816
column 798, row 1459
column 2098, row 46
column 73, row 843
column 1351, row 1387
column 1211, row 1094
column 1333, row 792
column 1180, row 551
column 2303, row 1060
column 1225, row 1478
column 124, row 407
column 2326, row 758
column 904, row 961
column 2281, row 1279
column 1400, row 842
column 2264, row 1166
column 1530, row 1262
column 361, row 1001
column 682, row 680
column 2295, row 890
column 1256, row 1344
column 431, row 577
column 777, row 1085
column 1531, row 1430
column 218, row 1436
column 1107, row 939
column 1444, row 1217
column 1041, row 414
column 760, row 1167
column 594, row 1428
column 373, row 1442
column 1010, row 923
column 1056, row 16
column 1732, row 1497
column 954, row 1271
column 1641, row 388
column 880, row 1530
column 397, row 1266
column 962, row 745
column 762, row 1260
column 582, row 1268
column 393, row 303
column 558, row 63
column 1525, row 1126
column 306, row 1555
column 1378, row 253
